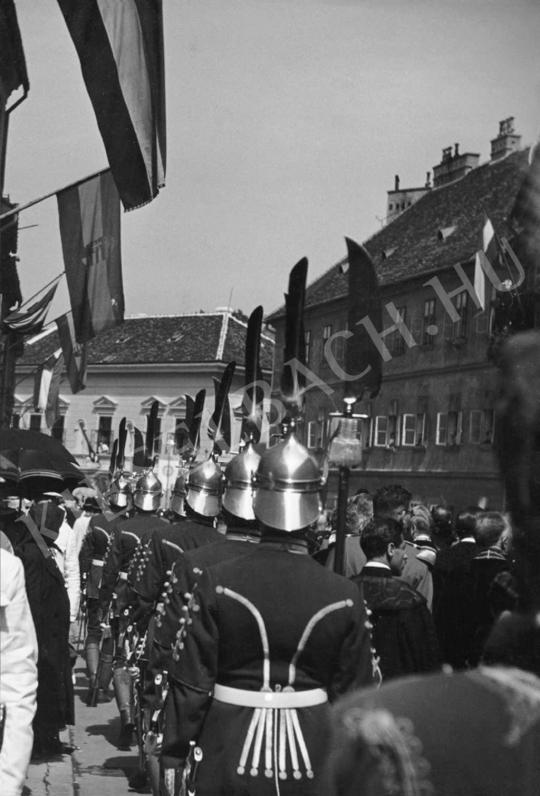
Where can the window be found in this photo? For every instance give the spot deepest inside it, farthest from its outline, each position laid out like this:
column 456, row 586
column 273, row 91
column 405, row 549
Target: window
column 327, row 332
column 460, row 326
column 381, row 431
column 307, row 343
column 441, row 434
column 397, row 341
column 475, row 427
column 312, row 431
column 413, row 429
column 157, row 436
column 455, row 428
column 449, row 428
column 429, row 326
column 481, row 426
column 15, row 420
column 104, row 433
column 35, row 422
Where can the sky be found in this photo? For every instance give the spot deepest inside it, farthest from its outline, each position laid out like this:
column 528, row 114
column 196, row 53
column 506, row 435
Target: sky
column 286, row 123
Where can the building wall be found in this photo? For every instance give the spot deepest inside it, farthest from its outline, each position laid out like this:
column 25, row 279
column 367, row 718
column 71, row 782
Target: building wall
column 443, row 382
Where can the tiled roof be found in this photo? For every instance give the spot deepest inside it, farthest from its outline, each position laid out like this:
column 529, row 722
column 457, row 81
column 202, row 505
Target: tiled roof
column 410, row 245
column 162, row 339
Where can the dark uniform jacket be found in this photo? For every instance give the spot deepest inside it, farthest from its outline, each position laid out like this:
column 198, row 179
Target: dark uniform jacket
column 403, row 631
column 458, row 734
column 150, row 571
column 92, row 555
column 127, row 540
column 270, row 621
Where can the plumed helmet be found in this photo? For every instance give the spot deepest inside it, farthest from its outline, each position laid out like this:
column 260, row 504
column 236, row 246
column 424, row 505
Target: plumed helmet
column 239, row 474
column 120, row 492
column 178, row 494
column 288, row 482
column 147, row 492
column 204, row 488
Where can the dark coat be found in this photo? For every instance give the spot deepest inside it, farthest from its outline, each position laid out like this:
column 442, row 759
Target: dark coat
column 49, row 604
column 403, row 632
column 484, row 568
column 93, row 549
column 453, row 600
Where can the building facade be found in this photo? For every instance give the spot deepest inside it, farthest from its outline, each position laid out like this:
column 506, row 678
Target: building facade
column 161, row 358
column 431, row 427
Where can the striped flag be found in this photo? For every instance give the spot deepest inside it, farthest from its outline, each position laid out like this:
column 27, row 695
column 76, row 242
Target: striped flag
column 89, row 215
column 74, row 353
column 31, row 320
column 120, row 47
column 43, row 379
column 488, row 249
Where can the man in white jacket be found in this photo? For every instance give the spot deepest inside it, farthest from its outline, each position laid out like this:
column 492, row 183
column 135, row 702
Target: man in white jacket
column 18, row 675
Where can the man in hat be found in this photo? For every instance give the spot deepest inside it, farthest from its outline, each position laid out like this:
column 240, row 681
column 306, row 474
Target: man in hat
column 263, row 642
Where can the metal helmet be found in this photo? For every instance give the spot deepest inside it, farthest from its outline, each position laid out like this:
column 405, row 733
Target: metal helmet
column 120, row 492
column 239, row 486
column 288, row 482
column 204, row 488
column 178, row 494
column 147, row 493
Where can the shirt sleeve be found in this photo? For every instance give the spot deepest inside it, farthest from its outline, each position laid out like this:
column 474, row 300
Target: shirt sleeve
column 72, row 574
column 18, row 684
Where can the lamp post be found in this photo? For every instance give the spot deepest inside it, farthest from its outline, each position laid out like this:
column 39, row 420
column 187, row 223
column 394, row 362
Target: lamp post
column 345, row 452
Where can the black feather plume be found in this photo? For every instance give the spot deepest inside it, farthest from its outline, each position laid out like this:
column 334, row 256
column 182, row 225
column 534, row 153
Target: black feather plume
column 112, row 463
column 151, row 429
column 219, row 426
column 181, row 432
column 292, row 381
column 363, row 362
column 122, row 437
column 252, row 403
column 139, row 458
column 195, row 425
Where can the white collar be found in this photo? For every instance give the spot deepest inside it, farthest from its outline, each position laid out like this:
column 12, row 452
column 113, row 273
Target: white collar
column 378, row 564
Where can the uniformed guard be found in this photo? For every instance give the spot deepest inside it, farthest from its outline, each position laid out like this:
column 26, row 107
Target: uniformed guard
column 262, row 643
column 99, row 644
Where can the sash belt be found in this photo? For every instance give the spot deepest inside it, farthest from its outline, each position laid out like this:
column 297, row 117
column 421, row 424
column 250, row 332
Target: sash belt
column 97, row 562
column 270, row 699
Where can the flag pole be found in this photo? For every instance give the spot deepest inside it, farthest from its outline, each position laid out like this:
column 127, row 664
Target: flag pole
column 19, row 208
column 56, row 278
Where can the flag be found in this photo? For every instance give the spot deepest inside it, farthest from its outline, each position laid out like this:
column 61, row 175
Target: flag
column 42, row 380
column 74, row 353
column 89, row 214
column 9, row 280
column 120, row 47
column 488, row 247
column 51, row 405
column 31, row 320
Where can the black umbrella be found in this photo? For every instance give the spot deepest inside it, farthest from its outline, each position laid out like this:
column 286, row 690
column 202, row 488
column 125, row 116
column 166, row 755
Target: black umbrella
column 34, row 460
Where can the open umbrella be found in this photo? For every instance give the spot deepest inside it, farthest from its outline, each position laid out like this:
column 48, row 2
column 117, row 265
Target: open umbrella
column 28, row 458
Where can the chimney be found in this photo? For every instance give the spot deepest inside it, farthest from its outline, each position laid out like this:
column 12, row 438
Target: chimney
column 428, row 179
column 507, row 141
column 453, row 166
column 396, row 182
